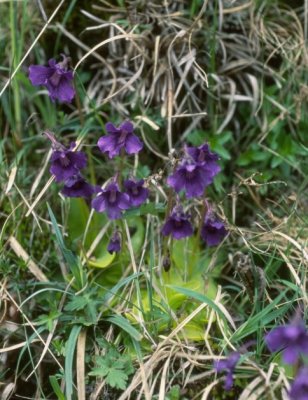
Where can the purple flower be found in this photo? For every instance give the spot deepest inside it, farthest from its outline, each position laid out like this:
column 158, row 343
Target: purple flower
column 112, row 201
column 66, row 163
column 177, row 224
column 204, row 156
column 114, row 245
column 57, row 78
column 299, row 388
column 136, row 192
column 76, row 186
column 213, row 230
column 119, row 138
column 190, row 176
column 292, row 338
column 228, row 365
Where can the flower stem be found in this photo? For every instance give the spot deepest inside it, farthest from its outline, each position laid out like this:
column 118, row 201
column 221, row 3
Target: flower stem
column 78, row 104
column 204, row 209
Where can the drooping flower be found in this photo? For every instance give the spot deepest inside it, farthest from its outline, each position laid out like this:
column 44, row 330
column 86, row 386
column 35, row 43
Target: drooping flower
column 206, row 157
column 76, row 186
column 291, row 338
column 213, row 230
column 114, row 245
column 111, row 201
column 177, row 224
column 299, row 388
column 65, row 163
column 57, row 78
column 228, row 365
column 190, row 176
column 136, row 191
column 119, row 138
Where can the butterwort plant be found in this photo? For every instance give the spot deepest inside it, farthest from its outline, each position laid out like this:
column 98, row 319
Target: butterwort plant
column 213, row 230
column 118, row 139
column 77, row 186
column 56, row 77
column 111, row 200
column 177, row 224
column 192, row 174
column 195, row 171
column 65, row 162
column 136, row 191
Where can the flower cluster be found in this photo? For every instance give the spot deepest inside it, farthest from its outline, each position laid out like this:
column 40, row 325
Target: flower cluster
column 66, row 164
column 192, row 173
column 195, row 171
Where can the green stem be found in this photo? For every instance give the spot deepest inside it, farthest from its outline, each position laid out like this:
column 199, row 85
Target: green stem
column 203, row 212
column 15, row 60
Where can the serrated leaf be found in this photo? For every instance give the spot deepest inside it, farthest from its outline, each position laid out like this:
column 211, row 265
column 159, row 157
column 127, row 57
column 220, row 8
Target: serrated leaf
column 116, row 378
column 77, row 303
column 100, row 371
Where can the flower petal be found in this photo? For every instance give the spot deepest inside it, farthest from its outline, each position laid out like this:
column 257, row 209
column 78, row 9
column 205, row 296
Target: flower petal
column 113, row 212
column 290, row 355
column 79, row 159
column 127, row 126
column 123, row 201
column 110, row 128
column 66, row 91
column 133, row 144
column 99, row 203
column 108, row 144
column 39, row 75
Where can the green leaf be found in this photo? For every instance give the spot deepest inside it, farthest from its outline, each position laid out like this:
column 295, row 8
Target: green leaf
column 104, row 260
column 174, row 393
column 124, row 324
column 77, row 218
column 70, row 350
column 262, row 318
column 114, row 367
column 100, row 371
column 185, row 254
column 56, row 387
column 199, row 297
column 149, row 208
column 73, row 263
column 77, row 303
column 117, row 378
column 123, row 282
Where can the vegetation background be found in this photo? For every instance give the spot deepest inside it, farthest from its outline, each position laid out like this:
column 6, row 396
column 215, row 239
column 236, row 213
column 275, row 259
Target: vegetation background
column 230, row 72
